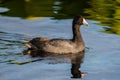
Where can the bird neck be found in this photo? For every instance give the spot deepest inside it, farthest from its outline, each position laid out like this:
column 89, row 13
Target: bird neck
column 77, row 37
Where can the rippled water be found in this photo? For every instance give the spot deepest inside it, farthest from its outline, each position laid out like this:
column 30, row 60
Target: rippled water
column 100, row 61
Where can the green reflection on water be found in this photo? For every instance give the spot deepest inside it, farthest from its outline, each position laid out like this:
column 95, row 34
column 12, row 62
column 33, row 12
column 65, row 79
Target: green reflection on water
column 17, row 8
column 107, row 12
column 22, row 63
column 104, row 11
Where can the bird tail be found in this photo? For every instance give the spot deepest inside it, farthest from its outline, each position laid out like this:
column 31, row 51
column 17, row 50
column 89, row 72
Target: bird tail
column 28, row 44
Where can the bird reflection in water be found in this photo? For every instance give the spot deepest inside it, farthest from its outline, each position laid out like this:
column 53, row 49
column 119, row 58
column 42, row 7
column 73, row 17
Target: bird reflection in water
column 75, row 59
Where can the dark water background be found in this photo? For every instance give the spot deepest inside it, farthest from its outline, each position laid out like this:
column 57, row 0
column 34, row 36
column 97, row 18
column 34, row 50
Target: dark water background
column 22, row 20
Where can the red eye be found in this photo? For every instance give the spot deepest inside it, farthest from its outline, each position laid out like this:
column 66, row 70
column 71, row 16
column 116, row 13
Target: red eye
column 80, row 20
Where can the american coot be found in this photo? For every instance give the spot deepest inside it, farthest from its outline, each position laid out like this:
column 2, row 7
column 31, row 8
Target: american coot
column 61, row 46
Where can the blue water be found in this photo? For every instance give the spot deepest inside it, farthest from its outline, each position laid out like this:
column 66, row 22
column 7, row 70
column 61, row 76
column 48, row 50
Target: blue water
column 100, row 62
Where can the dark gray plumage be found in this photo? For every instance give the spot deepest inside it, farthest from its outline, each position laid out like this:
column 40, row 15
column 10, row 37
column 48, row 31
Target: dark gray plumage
column 61, row 46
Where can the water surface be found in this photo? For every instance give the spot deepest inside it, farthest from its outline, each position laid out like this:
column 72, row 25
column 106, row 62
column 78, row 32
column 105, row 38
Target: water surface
column 22, row 22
